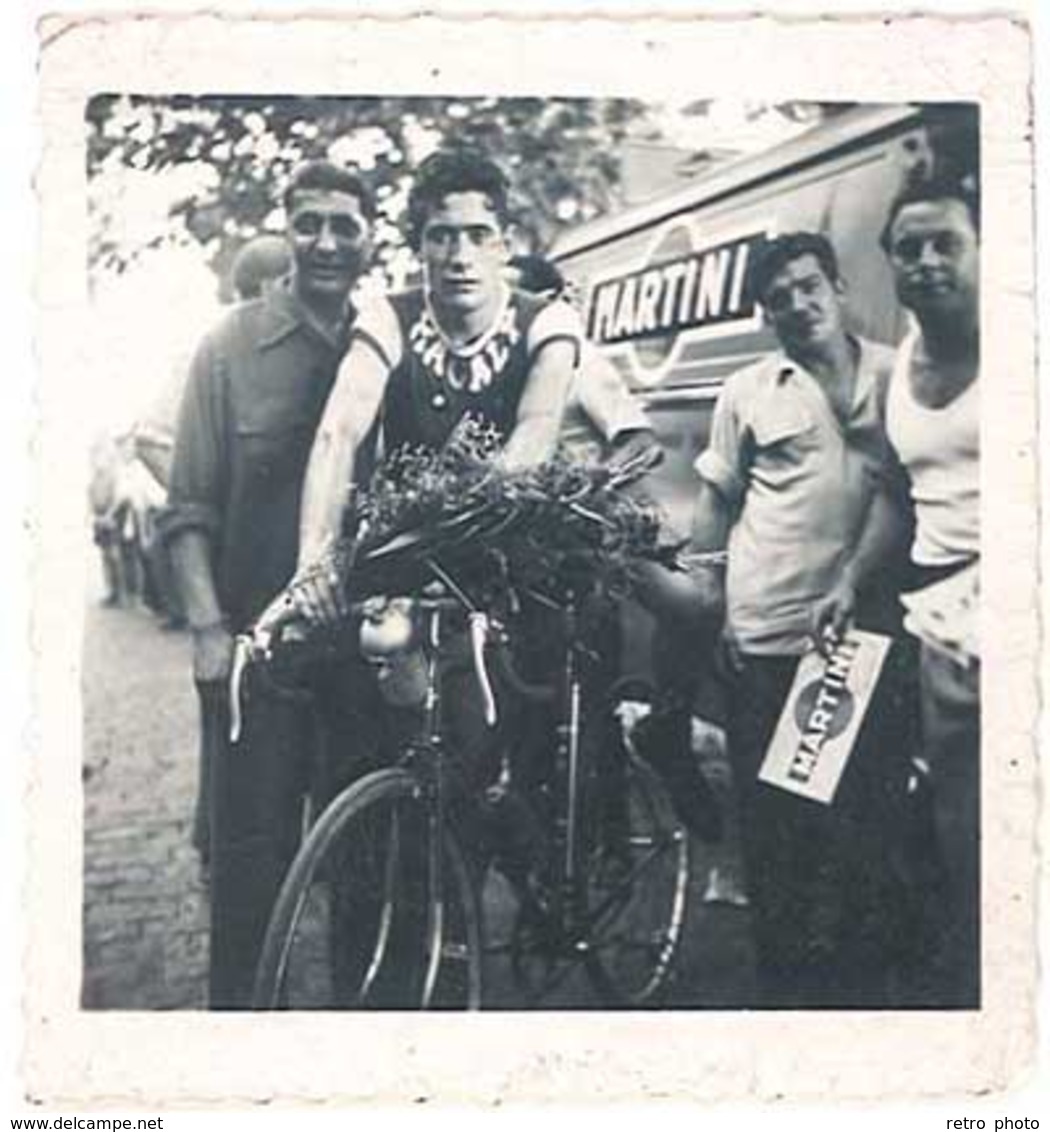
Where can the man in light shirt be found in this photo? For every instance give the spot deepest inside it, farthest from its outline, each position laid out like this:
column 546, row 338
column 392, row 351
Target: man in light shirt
column 797, row 458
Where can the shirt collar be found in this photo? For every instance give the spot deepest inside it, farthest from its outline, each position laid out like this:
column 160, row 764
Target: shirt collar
column 786, row 367
column 287, row 314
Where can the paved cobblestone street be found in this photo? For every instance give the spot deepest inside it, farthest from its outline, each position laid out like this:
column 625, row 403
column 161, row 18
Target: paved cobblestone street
column 145, row 919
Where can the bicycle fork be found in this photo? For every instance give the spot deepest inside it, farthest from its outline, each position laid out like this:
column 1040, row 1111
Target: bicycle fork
column 435, row 927
column 569, row 771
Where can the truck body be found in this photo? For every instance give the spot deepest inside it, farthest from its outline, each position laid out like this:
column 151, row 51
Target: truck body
column 664, row 285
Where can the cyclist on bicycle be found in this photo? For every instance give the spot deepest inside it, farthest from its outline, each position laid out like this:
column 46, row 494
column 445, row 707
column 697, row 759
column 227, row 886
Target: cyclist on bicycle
column 465, row 347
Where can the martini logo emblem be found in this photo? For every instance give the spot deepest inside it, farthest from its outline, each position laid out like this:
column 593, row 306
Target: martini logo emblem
column 823, row 711
column 823, row 716
column 687, row 288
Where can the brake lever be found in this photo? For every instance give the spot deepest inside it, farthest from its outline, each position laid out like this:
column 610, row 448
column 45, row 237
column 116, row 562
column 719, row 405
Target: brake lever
column 256, row 645
column 479, row 634
column 244, row 647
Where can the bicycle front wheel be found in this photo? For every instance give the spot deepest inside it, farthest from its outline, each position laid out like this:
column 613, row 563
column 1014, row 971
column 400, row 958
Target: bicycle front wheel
column 637, row 884
column 378, row 910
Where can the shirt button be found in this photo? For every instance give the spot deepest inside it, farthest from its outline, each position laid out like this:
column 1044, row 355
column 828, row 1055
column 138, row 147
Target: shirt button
column 439, row 400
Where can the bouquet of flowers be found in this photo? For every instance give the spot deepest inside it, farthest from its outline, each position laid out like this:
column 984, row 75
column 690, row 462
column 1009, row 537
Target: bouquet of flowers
column 558, row 527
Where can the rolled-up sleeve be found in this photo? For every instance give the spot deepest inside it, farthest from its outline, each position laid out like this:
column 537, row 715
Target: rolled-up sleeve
column 198, row 469
column 722, row 461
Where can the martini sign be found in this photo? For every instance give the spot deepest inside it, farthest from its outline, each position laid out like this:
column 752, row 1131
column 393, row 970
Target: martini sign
column 822, row 717
column 686, row 288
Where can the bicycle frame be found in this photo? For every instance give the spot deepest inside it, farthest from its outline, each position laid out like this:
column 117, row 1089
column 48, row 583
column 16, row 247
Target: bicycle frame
column 434, row 744
column 580, row 922
column 575, row 926
column 567, row 769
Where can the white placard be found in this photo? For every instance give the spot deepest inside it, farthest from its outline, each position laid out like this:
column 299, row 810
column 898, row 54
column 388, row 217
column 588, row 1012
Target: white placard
column 822, row 717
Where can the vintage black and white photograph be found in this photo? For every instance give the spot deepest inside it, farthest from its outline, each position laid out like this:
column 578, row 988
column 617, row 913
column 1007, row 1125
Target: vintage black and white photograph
column 566, row 511
column 529, row 550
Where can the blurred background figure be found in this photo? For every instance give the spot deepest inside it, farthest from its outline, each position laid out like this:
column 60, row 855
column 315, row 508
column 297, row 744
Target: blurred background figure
column 126, row 500
column 141, row 497
column 255, row 269
column 102, row 495
column 258, row 265
column 602, row 420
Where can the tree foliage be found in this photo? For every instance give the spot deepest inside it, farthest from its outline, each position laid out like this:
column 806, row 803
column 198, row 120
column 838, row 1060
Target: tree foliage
column 233, row 156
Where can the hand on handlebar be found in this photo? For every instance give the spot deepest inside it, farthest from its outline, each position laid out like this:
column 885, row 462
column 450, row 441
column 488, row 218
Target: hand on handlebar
column 316, row 593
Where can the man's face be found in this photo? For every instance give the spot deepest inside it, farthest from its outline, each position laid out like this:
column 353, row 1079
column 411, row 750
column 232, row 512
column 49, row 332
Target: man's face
column 330, row 239
column 935, row 256
column 802, row 304
column 463, row 251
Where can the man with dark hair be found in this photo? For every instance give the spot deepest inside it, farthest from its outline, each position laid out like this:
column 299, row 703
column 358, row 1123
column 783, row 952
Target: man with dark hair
column 933, row 421
column 781, row 251
column 796, row 459
column 455, row 171
column 932, row 241
column 928, row 191
column 424, row 365
column 256, row 390
column 326, row 177
column 463, row 346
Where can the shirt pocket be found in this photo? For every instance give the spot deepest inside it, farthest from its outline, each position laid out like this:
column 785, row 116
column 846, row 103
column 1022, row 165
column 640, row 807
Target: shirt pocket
column 787, row 451
column 270, row 457
column 783, row 429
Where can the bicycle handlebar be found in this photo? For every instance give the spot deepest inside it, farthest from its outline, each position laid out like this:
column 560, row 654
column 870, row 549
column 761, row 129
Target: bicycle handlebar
column 283, row 623
column 282, row 619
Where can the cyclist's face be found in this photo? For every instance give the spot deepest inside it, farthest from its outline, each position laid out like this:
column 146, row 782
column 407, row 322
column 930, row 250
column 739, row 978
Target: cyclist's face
column 330, row 242
column 934, row 253
column 464, row 252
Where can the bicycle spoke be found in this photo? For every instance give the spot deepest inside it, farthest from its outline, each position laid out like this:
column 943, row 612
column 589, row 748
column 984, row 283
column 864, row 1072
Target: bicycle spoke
column 359, row 921
column 386, row 917
column 634, row 919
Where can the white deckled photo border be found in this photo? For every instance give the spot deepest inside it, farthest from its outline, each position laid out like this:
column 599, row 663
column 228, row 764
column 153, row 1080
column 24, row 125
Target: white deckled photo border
column 76, row 1056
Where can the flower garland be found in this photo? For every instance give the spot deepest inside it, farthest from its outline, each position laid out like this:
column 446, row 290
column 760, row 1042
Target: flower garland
column 558, row 527
column 473, row 367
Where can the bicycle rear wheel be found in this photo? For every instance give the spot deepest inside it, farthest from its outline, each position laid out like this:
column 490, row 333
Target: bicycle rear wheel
column 378, row 910
column 636, row 884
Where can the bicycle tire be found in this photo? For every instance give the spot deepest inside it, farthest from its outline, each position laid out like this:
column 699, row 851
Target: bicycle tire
column 392, row 802
column 637, row 918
